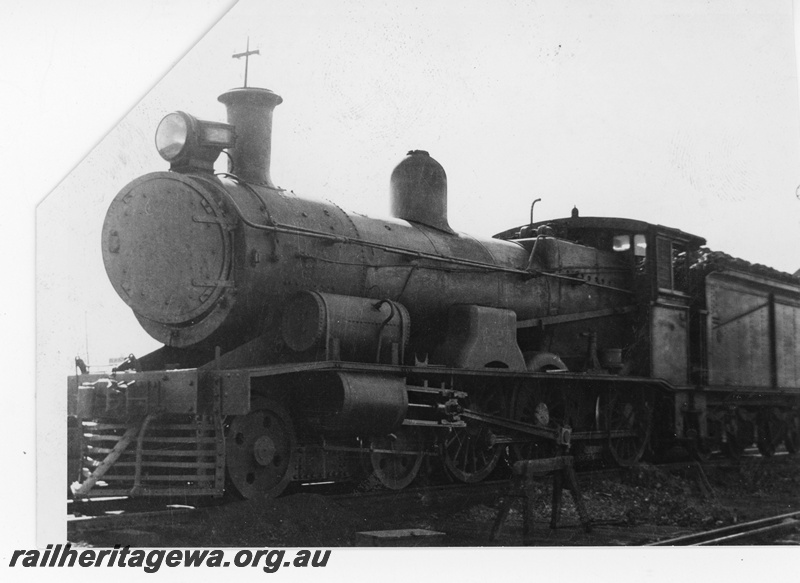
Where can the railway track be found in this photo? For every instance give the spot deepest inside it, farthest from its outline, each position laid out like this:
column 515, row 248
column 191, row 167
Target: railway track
column 124, row 508
column 736, row 533
column 115, row 513
column 130, row 520
column 116, row 507
column 127, row 514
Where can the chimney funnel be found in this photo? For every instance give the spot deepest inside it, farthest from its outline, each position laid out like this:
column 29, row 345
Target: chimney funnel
column 250, row 112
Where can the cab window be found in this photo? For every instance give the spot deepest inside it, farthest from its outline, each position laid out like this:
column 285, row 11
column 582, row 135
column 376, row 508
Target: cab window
column 622, row 243
column 639, row 246
column 673, row 265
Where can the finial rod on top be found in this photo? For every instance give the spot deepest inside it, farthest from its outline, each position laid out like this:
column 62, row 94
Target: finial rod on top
column 246, row 54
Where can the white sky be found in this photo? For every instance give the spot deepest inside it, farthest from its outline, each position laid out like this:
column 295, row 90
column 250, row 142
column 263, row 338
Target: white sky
column 677, row 112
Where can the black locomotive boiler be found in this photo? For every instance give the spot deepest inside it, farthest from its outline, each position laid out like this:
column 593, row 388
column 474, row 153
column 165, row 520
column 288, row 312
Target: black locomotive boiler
column 303, row 343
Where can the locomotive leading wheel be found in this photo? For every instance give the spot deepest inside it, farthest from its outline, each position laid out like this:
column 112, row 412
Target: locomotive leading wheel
column 397, row 470
column 259, row 450
column 470, row 453
column 629, row 411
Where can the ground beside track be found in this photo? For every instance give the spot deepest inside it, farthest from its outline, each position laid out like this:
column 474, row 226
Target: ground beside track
column 638, row 506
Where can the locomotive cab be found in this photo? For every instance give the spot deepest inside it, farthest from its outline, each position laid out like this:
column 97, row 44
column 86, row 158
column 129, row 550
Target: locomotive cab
column 651, row 323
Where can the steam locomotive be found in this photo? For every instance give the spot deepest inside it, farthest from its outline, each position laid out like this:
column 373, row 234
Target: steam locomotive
column 303, row 343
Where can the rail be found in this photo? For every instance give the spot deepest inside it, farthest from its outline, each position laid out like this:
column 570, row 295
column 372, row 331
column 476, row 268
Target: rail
column 735, row 532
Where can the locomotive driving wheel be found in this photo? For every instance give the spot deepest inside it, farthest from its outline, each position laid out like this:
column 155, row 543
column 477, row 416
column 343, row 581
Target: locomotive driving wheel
column 396, row 458
column 629, row 423
column 540, row 407
column 259, row 450
column 471, row 453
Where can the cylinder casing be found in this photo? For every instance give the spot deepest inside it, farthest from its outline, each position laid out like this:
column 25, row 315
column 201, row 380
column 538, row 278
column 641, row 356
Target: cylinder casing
column 356, row 404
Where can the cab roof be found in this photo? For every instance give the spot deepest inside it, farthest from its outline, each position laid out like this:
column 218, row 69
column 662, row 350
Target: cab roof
column 565, row 225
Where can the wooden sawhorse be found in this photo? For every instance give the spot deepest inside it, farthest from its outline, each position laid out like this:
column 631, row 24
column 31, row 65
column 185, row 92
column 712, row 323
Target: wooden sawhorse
column 524, row 472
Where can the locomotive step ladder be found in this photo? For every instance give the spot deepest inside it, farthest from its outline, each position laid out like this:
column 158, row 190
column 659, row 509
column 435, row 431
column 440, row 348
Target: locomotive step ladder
column 521, row 487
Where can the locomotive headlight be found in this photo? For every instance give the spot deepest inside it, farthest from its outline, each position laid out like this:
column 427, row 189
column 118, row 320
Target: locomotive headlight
column 187, row 142
column 172, row 135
